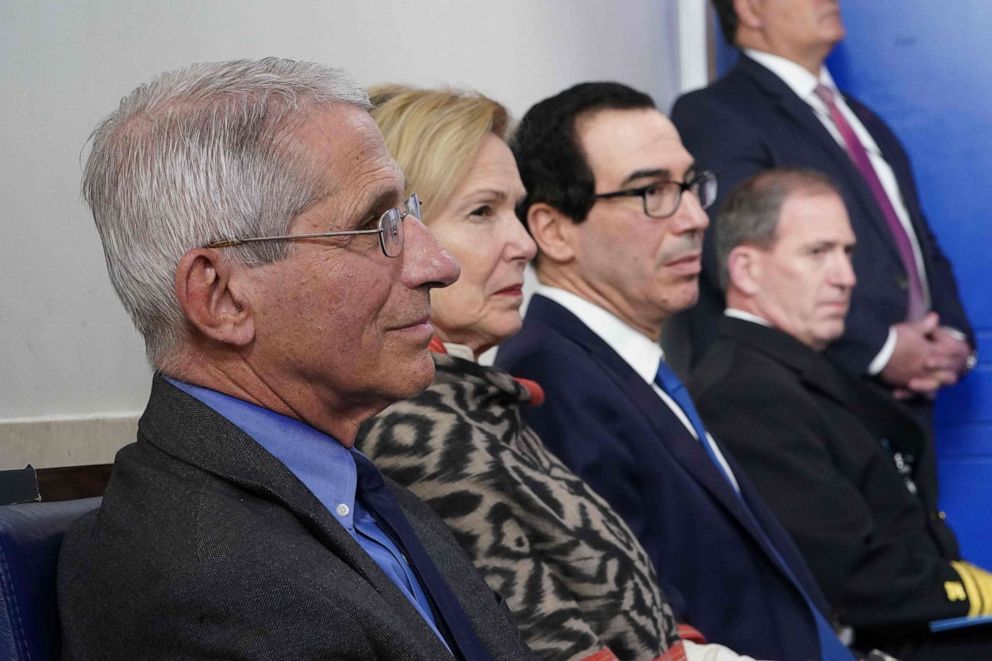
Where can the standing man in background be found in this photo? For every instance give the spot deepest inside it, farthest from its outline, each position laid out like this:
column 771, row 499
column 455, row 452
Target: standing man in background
column 780, row 107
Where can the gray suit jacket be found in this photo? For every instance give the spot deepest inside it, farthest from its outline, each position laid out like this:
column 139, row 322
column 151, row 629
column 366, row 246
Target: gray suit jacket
column 206, row 546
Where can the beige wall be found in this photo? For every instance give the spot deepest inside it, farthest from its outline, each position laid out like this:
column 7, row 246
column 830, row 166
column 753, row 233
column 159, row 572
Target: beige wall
column 73, row 375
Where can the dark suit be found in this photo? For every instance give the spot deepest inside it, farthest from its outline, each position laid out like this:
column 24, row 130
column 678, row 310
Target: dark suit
column 611, row 428
column 821, row 448
column 811, row 439
column 206, row 546
column 749, row 121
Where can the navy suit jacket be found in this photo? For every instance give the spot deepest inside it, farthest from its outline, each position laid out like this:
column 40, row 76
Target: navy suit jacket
column 611, row 428
column 749, row 121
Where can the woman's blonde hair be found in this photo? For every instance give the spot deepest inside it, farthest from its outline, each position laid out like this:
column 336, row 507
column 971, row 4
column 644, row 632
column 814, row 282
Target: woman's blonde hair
column 435, row 134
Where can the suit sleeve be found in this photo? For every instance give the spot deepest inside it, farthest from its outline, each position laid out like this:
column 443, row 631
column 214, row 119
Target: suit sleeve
column 870, row 578
column 214, row 612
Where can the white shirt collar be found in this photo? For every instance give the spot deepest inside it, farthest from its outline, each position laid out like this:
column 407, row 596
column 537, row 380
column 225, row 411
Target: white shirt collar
column 459, row 351
column 799, row 80
column 746, row 316
column 637, row 350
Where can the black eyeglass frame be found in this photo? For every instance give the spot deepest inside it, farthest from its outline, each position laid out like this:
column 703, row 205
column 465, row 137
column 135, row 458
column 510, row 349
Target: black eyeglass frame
column 700, row 181
column 390, row 223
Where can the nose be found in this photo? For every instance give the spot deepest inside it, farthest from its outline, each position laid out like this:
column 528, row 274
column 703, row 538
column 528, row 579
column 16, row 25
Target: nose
column 690, row 217
column 843, row 272
column 519, row 245
column 425, row 262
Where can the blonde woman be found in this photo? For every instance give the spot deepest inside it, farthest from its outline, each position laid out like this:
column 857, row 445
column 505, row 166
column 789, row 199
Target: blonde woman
column 574, row 576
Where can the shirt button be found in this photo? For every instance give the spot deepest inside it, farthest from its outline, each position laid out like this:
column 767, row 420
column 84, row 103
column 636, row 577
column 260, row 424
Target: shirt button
column 343, row 510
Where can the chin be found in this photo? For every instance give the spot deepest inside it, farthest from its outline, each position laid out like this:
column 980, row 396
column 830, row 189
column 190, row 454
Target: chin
column 508, row 330
column 496, row 331
column 831, row 334
column 416, row 377
column 684, row 299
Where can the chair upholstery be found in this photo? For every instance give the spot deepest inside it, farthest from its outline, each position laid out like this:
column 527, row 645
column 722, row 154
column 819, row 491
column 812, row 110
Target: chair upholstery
column 30, row 538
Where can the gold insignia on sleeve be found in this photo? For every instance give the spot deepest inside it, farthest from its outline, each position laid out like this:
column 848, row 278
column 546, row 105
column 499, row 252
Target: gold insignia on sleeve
column 955, row 591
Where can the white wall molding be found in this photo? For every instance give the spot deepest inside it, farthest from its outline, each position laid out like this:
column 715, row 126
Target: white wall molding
column 693, row 45
column 51, row 442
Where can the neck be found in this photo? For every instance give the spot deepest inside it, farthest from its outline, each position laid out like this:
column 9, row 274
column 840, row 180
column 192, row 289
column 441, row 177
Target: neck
column 232, row 374
column 603, row 297
column 812, row 60
column 739, row 301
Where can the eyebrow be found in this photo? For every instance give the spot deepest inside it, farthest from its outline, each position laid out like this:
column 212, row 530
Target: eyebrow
column 489, row 193
column 655, row 173
column 383, row 198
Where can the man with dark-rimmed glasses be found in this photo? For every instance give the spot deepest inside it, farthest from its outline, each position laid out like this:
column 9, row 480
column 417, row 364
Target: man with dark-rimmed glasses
column 255, row 228
column 613, row 269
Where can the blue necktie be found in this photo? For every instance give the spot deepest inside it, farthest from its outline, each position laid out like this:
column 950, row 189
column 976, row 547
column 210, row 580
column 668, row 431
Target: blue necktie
column 672, row 385
column 453, row 621
column 831, row 649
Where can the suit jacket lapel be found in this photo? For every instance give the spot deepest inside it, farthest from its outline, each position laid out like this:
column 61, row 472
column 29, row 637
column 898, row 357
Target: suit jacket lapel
column 800, row 112
column 796, row 109
column 787, row 350
column 884, row 417
column 670, row 431
column 192, row 432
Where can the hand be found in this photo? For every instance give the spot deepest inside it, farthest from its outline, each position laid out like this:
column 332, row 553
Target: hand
column 949, row 357
column 908, row 370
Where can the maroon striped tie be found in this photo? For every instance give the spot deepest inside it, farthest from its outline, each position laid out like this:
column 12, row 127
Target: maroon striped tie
column 917, row 306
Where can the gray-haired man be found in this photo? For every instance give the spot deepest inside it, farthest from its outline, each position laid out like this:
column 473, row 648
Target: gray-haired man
column 255, row 229
column 836, row 458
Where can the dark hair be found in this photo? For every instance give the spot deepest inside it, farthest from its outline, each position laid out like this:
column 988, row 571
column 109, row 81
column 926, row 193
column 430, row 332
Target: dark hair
column 728, row 19
column 752, row 210
column 552, row 165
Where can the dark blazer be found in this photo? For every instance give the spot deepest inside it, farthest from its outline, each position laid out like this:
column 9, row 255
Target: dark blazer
column 749, row 121
column 610, row 428
column 825, row 451
column 206, row 546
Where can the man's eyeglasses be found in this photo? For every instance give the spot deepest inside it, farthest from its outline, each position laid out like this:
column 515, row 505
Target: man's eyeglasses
column 661, row 199
column 390, row 231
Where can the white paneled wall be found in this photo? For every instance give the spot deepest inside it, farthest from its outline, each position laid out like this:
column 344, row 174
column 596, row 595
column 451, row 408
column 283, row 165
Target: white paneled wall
column 72, row 372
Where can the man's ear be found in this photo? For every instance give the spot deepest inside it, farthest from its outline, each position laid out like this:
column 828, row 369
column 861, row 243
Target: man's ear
column 213, row 298
column 749, row 13
column 743, row 269
column 552, row 231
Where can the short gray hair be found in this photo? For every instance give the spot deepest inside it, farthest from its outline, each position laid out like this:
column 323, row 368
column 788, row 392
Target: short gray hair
column 196, row 155
column 751, row 213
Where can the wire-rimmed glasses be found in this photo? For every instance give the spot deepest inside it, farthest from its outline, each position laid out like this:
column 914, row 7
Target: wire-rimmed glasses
column 390, row 231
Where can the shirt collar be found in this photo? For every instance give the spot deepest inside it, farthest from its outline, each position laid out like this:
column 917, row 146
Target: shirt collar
column 637, row 350
column 746, row 316
column 459, row 351
column 319, row 461
column 799, row 80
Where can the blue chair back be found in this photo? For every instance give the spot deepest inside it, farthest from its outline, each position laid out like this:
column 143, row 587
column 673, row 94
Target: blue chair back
column 30, row 538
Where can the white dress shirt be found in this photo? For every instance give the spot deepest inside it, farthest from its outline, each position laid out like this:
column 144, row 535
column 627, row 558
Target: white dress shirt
column 637, row 350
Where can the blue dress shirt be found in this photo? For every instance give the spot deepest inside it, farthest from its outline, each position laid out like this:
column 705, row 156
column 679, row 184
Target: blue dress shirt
column 327, row 469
